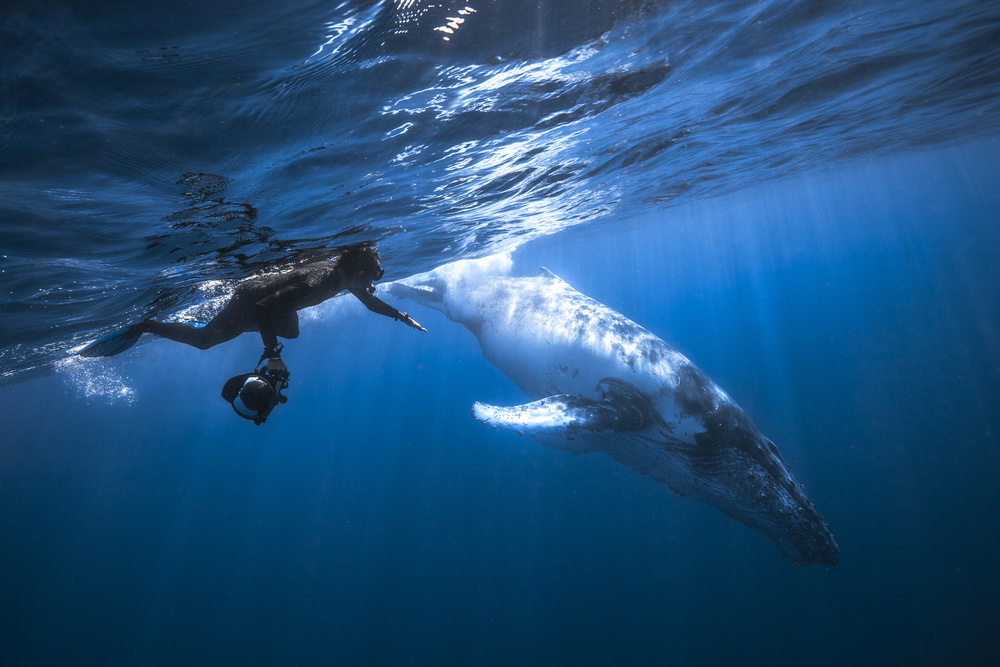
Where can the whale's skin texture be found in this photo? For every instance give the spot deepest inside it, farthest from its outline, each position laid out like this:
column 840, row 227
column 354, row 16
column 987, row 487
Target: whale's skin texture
column 601, row 382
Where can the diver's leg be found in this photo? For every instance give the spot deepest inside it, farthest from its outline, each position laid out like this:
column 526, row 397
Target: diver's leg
column 235, row 318
column 199, row 337
column 229, row 323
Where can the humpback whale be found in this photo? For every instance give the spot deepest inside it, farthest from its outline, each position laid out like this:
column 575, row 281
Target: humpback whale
column 599, row 382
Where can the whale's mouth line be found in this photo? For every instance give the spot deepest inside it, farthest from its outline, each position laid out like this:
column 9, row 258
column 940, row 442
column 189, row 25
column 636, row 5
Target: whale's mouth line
column 423, row 294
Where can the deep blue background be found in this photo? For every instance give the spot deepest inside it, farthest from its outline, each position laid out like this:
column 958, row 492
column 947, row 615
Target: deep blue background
column 802, row 196
column 852, row 312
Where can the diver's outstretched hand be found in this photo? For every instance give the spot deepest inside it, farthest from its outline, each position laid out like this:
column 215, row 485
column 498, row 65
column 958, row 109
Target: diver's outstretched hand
column 409, row 321
column 377, row 305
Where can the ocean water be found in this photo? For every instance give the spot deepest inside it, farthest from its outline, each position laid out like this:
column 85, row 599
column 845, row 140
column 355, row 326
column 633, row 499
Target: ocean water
column 802, row 197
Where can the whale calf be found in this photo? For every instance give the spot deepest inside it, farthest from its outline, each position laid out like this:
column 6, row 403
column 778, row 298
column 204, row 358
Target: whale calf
column 601, row 383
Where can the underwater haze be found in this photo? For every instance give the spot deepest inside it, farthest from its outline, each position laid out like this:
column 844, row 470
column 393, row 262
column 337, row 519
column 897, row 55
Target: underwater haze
column 802, row 197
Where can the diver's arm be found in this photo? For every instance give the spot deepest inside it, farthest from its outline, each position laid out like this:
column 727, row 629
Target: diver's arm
column 270, row 343
column 377, row 305
column 271, row 309
column 272, row 348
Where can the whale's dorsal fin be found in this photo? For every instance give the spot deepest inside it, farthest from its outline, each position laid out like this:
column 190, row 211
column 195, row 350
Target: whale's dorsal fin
column 545, row 273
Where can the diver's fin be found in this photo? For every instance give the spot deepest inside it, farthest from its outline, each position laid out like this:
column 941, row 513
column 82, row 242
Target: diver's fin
column 622, row 408
column 112, row 344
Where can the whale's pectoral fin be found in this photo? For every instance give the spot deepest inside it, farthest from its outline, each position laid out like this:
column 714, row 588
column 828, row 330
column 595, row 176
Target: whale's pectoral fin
column 562, row 414
column 621, row 408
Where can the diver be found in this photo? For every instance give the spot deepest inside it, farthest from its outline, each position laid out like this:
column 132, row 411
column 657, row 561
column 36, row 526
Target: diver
column 269, row 305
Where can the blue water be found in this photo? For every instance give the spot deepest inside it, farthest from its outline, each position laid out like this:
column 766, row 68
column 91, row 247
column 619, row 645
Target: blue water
column 802, row 197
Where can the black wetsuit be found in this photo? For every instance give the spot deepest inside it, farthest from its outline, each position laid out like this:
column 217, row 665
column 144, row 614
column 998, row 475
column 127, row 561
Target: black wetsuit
column 270, row 304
